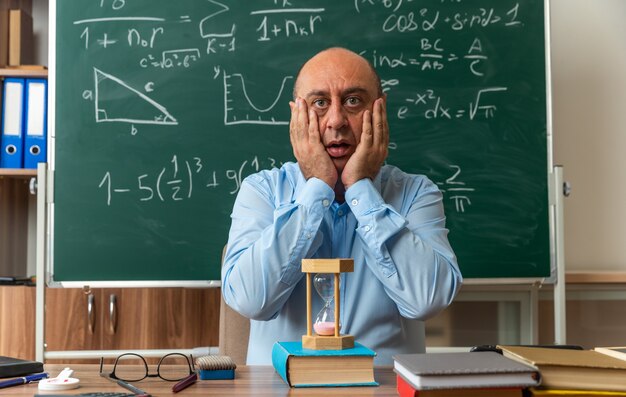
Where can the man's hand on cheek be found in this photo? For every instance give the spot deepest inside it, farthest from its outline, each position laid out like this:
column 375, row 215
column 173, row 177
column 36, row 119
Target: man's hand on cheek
column 308, row 149
column 371, row 151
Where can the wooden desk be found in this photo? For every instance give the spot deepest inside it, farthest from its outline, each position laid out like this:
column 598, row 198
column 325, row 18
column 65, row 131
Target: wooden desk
column 249, row 381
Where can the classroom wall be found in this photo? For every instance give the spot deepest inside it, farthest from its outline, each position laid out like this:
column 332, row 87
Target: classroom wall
column 589, row 119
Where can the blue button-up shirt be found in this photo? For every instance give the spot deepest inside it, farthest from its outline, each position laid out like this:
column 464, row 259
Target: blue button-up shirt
column 393, row 228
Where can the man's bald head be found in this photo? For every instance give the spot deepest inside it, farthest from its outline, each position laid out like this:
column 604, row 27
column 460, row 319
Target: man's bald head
column 335, row 55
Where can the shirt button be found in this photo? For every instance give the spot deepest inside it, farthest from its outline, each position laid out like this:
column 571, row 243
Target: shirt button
column 340, row 212
column 367, row 228
column 308, row 236
column 325, row 203
column 355, row 202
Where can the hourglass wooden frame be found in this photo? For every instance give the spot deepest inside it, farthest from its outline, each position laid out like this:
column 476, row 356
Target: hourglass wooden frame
column 321, row 342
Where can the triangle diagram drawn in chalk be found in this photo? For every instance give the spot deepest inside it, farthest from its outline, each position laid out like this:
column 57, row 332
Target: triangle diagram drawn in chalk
column 117, row 101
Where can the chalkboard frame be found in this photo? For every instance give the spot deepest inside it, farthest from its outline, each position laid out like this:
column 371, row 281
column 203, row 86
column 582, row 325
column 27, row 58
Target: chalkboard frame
column 213, row 283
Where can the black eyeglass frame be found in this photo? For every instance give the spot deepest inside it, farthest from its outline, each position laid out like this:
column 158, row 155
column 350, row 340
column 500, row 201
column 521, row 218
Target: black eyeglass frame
column 112, row 375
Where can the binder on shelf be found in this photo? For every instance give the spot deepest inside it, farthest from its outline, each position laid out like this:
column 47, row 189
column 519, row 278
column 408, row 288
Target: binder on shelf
column 11, row 131
column 35, row 122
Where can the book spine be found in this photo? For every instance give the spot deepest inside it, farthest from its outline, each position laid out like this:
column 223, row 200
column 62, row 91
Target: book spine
column 404, row 388
column 280, row 356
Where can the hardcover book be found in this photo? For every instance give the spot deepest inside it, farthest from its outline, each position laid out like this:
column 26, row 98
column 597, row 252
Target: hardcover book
column 405, row 389
column 425, row 371
column 572, row 369
column 301, row 367
column 11, row 367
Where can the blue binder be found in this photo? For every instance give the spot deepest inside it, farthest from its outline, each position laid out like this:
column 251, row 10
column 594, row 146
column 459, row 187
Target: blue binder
column 35, row 122
column 11, row 137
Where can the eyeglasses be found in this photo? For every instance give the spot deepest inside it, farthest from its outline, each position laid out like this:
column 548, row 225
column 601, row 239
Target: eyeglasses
column 171, row 367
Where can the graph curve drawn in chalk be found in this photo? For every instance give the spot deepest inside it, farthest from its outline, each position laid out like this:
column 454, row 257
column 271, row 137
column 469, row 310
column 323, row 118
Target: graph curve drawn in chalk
column 239, row 107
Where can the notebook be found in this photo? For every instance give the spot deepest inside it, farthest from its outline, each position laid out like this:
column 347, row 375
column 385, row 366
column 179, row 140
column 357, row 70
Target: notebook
column 426, row 371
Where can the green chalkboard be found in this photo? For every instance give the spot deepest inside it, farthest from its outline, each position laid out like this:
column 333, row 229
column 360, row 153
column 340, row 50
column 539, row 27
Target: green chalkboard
column 161, row 108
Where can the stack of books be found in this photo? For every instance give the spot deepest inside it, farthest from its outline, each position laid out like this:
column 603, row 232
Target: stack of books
column 568, row 372
column 476, row 374
column 520, row 371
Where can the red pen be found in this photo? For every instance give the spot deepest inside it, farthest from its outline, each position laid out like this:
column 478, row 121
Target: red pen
column 183, row 384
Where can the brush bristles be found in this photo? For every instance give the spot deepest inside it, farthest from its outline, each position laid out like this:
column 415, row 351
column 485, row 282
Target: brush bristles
column 210, row 363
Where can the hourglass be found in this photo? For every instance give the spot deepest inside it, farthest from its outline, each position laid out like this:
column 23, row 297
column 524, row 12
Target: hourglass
column 324, row 324
column 326, row 283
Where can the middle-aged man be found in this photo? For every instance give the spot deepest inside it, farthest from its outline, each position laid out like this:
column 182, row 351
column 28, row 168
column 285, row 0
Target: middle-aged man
column 339, row 201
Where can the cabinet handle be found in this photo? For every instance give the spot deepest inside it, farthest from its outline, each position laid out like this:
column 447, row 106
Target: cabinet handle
column 91, row 313
column 113, row 313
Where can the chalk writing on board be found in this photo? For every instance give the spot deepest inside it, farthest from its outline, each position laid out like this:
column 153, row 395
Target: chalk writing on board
column 217, row 40
column 174, row 185
column 182, row 58
column 221, row 41
column 486, row 109
column 456, row 190
column 175, row 182
column 432, row 55
column 204, row 23
column 239, row 108
column 108, row 89
column 117, row 19
column 134, row 37
column 431, row 105
column 300, row 22
column 114, row 4
column 426, row 19
column 178, row 180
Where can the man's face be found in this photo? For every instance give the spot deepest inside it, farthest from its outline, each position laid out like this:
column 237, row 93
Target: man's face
column 338, row 86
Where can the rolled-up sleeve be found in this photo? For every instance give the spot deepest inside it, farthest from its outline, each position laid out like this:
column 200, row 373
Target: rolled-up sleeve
column 266, row 243
column 407, row 246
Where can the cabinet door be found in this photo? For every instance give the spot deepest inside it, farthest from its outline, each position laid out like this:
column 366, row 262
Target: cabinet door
column 131, row 318
column 161, row 318
column 17, row 322
column 72, row 319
